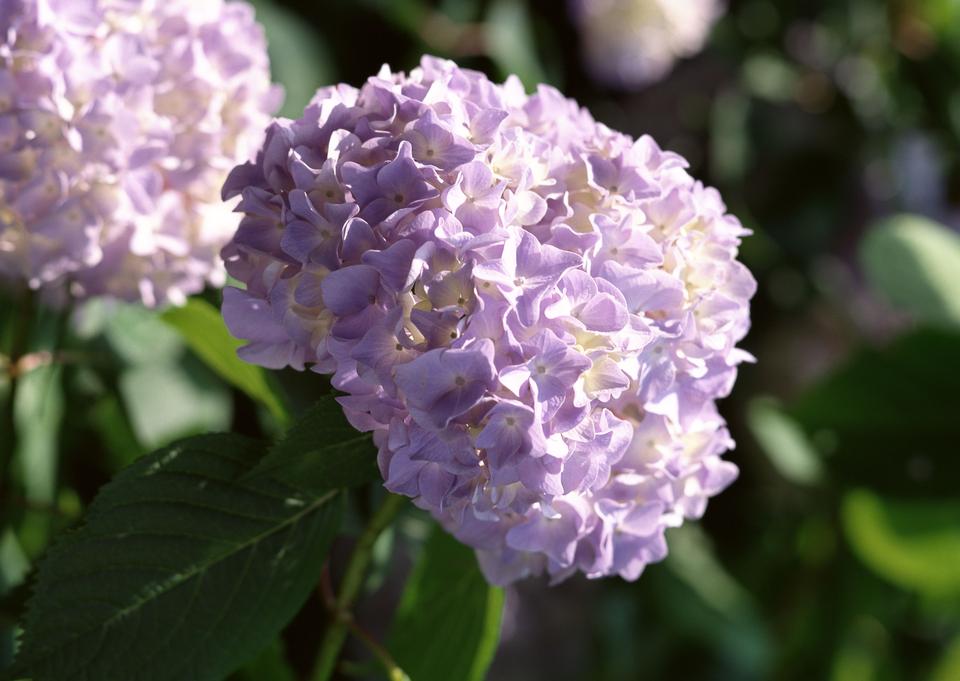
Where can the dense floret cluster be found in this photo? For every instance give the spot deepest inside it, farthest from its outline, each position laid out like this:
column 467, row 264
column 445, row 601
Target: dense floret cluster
column 629, row 43
column 119, row 121
column 532, row 313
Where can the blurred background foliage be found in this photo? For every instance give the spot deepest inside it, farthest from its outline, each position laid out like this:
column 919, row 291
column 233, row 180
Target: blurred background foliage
column 831, row 128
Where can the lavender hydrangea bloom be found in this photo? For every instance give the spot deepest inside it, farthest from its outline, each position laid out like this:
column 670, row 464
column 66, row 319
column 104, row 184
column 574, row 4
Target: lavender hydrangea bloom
column 532, row 313
column 630, row 43
column 118, row 124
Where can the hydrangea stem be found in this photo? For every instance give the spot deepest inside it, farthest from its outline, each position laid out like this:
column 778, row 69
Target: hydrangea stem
column 350, row 587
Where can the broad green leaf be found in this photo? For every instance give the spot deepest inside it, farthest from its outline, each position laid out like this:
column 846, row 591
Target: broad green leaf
column 715, row 606
column 915, row 544
column 14, row 566
column 888, row 419
column 321, row 451
column 13, row 562
column 448, row 623
column 948, row 669
column 110, row 420
column 166, row 393
column 135, row 334
column 269, row 665
column 511, row 42
column 170, row 401
column 862, row 655
column 914, row 262
column 39, row 413
column 202, row 327
column 182, row 570
column 784, row 442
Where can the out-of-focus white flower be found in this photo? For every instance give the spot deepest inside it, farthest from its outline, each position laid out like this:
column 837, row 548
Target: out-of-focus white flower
column 629, row 43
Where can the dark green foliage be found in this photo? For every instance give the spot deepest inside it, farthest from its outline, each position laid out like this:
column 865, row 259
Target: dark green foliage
column 321, row 450
column 183, row 569
column 884, row 416
column 448, row 622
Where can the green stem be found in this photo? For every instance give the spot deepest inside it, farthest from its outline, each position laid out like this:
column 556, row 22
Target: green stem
column 390, row 666
column 350, row 587
column 18, row 348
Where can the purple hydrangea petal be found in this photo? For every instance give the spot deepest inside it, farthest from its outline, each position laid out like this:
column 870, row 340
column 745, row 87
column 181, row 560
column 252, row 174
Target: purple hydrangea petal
column 535, row 315
column 125, row 117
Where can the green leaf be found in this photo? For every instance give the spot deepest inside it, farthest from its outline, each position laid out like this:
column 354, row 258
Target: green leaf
column 710, row 604
column 135, row 334
column 14, row 566
column 299, row 59
column 887, row 419
column 182, row 570
column 784, row 442
column 914, row 263
column 448, row 623
column 39, row 414
column 948, row 669
column 108, row 417
column 166, row 402
column 915, row 545
column 166, row 393
column 202, row 327
column 321, row 451
column 270, row 665
column 511, row 42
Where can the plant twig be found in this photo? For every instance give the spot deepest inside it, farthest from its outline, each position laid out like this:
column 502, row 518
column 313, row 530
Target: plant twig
column 342, row 618
column 390, row 666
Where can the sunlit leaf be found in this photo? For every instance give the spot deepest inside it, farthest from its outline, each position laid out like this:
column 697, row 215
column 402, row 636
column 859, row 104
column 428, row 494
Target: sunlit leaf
column 203, row 329
column 135, row 334
column 914, row 544
column 713, row 604
column 298, row 57
column 511, row 43
column 785, row 442
column 914, row 263
column 39, row 413
column 948, row 668
column 448, row 623
column 169, row 401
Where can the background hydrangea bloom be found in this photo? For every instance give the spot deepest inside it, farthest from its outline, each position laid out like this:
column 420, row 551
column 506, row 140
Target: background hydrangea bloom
column 631, row 43
column 534, row 314
column 118, row 122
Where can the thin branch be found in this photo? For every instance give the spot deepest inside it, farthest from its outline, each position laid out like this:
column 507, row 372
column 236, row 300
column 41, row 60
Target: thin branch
column 342, row 618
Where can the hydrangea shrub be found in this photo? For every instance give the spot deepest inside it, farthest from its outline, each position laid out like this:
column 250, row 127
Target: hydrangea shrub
column 118, row 124
column 630, row 43
column 533, row 314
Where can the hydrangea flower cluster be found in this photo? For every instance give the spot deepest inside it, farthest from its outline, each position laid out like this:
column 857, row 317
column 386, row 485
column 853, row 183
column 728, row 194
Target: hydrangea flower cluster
column 630, row 43
column 532, row 313
column 119, row 121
